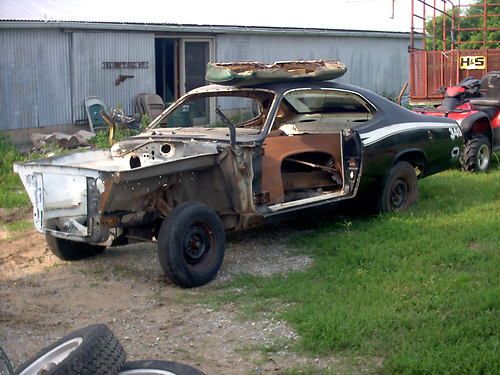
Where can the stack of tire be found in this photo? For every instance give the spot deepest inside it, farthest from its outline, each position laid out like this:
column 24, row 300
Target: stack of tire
column 93, row 350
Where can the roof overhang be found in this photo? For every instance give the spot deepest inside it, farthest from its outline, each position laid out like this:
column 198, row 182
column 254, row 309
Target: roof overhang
column 196, row 29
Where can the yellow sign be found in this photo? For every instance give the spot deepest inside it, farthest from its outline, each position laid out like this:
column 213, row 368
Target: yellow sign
column 472, row 62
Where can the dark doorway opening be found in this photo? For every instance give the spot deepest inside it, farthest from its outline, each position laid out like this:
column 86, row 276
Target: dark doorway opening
column 166, row 68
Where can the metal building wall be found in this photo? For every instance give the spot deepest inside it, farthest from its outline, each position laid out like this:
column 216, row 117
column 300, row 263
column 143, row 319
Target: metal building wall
column 89, row 78
column 45, row 74
column 376, row 63
column 34, row 84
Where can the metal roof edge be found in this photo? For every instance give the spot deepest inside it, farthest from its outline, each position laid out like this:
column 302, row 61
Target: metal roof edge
column 188, row 28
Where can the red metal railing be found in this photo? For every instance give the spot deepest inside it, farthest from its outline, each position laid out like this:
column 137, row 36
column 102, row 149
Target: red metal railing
column 484, row 15
column 430, row 70
column 435, row 59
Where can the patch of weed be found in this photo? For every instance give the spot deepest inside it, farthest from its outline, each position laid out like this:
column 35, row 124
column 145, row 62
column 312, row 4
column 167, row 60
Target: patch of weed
column 18, row 226
column 12, row 193
column 101, row 139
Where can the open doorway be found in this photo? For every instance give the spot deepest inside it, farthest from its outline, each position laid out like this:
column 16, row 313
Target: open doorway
column 181, row 65
column 166, row 59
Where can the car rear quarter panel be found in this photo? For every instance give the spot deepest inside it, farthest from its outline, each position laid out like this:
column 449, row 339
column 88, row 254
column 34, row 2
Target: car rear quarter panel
column 429, row 146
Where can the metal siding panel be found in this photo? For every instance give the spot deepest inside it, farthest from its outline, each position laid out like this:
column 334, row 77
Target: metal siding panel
column 53, row 83
column 34, row 86
column 378, row 64
column 90, row 50
column 12, row 87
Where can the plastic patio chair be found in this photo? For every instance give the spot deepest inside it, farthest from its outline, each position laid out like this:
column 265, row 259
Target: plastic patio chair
column 151, row 105
column 93, row 106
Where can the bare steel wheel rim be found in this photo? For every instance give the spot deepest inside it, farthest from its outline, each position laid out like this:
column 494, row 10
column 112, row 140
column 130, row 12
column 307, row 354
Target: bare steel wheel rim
column 198, row 245
column 52, row 358
column 398, row 194
column 483, row 157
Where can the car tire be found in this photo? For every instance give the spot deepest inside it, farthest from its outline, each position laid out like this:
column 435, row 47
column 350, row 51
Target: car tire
column 72, row 250
column 191, row 244
column 5, row 365
column 400, row 189
column 476, row 155
column 158, row 368
column 93, row 350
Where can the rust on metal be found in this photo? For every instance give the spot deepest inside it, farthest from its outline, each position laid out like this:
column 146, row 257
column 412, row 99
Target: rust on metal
column 112, row 221
column 277, row 149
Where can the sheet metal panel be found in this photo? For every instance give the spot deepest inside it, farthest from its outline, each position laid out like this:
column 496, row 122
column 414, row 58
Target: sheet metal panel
column 90, row 78
column 378, row 64
column 34, row 85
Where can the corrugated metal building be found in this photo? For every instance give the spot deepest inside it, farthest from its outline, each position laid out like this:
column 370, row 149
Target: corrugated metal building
column 48, row 68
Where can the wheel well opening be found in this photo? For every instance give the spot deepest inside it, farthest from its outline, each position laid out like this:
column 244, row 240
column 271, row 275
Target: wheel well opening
column 416, row 159
column 481, row 126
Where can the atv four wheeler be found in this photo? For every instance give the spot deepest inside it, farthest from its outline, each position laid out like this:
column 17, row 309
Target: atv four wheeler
column 475, row 105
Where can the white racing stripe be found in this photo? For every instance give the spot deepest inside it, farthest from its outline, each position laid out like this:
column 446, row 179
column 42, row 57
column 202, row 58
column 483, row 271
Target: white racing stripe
column 388, row 131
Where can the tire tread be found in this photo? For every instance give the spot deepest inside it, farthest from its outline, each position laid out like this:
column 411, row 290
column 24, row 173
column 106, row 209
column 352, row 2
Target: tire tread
column 5, row 365
column 469, row 154
column 100, row 353
column 168, row 253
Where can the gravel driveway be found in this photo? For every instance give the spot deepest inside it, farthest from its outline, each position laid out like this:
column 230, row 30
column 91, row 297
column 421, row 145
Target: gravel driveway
column 43, row 298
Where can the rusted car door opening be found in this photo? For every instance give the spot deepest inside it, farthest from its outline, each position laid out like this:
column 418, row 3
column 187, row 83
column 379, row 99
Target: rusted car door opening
column 300, row 166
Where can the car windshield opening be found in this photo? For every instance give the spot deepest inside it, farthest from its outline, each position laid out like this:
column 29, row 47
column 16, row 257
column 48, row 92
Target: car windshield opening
column 246, row 110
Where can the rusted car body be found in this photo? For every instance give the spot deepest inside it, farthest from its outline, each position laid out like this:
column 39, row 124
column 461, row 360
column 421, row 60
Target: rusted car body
column 231, row 157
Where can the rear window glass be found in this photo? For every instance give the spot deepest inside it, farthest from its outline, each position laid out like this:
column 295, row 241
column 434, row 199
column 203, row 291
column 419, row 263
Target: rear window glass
column 327, row 101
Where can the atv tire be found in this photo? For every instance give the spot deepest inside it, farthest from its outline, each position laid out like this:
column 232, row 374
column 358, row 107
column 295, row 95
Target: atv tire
column 476, row 155
column 72, row 250
column 158, row 368
column 92, row 350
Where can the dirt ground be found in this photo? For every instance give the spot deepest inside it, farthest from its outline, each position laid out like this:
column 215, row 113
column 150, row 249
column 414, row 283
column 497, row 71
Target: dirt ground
column 43, row 298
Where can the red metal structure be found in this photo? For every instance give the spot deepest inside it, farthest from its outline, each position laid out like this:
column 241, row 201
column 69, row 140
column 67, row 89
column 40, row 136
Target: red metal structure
column 441, row 52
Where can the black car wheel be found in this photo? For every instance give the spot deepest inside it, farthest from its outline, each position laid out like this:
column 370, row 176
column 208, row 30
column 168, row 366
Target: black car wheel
column 158, row 368
column 476, row 156
column 93, row 350
column 400, row 189
column 191, row 244
column 5, row 365
column 72, row 250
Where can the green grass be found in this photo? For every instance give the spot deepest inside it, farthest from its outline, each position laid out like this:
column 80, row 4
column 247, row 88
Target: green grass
column 14, row 228
column 12, row 193
column 18, row 226
column 101, row 139
column 420, row 290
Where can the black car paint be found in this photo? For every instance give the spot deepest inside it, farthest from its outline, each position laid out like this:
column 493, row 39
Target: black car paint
column 431, row 144
column 379, row 157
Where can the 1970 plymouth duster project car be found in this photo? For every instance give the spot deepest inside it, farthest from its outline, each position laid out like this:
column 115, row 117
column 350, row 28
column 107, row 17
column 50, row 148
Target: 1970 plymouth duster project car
column 234, row 155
